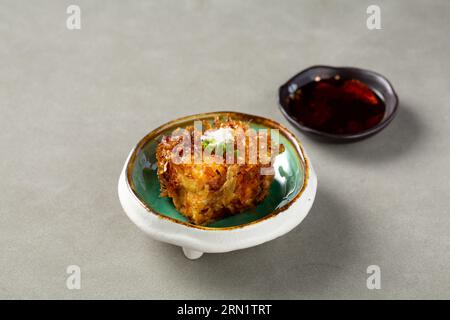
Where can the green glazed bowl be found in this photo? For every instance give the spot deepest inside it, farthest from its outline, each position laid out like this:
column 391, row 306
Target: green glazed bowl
column 140, row 188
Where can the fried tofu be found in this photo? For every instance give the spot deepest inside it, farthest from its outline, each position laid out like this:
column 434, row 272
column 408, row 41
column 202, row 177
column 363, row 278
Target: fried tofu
column 210, row 190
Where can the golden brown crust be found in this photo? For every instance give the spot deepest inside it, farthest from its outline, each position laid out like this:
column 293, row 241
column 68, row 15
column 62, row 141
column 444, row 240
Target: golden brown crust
column 204, row 192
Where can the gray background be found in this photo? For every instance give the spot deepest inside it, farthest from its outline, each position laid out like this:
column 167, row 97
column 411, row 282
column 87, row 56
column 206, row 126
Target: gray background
column 73, row 103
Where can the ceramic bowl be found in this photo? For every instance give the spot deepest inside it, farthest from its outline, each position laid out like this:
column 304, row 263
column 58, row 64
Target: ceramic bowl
column 291, row 195
column 375, row 81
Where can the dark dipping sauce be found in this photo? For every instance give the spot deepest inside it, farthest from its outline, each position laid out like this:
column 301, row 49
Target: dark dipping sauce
column 336, row 106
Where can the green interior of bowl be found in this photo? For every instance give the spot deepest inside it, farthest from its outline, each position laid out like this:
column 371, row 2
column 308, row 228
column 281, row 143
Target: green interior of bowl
column 288, row 181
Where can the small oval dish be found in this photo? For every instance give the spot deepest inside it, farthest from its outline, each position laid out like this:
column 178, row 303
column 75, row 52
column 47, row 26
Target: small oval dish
column 290, row 197
column 375, row 82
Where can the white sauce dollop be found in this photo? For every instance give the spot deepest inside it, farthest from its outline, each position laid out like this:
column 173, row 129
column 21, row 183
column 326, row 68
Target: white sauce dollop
column 218, row 136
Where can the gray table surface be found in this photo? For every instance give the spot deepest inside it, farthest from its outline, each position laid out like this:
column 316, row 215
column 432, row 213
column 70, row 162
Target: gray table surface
column 73, row 103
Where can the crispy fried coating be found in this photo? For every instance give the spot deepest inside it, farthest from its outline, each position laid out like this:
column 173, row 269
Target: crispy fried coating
column 207, row 191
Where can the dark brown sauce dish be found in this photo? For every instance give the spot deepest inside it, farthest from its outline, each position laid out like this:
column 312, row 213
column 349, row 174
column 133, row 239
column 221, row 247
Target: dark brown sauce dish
column 338, row 103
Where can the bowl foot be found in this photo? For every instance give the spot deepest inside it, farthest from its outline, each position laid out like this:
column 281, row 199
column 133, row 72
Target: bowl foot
column 192, row 254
